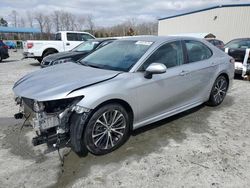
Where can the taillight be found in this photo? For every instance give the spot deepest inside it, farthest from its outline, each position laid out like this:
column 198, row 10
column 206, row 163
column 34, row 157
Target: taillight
column 232, row 60
column 6, row 47
column 29, row 45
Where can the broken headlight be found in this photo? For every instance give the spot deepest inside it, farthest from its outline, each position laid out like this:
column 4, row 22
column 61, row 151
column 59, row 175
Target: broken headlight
column 61, row 104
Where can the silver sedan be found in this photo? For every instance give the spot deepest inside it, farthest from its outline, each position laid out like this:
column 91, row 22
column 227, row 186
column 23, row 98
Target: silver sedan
column 94, row 104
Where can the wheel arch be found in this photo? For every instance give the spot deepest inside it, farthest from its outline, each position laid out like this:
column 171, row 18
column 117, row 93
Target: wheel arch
column 49, row 49
column 124, row 104
column 225, row 75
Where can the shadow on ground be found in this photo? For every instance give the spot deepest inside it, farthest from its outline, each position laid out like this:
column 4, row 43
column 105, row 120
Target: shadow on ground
column 16, row 141
column 10, row 61
column 36, row 64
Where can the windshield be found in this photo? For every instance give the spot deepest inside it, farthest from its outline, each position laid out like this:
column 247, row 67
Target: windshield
column 119, row 55
column 86, row 46
column 238, row 44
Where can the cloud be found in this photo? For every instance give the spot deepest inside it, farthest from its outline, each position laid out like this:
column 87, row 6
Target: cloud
column 109, row 12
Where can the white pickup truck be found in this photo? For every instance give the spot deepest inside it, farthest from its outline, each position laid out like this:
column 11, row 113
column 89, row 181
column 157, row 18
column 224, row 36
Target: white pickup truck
column 64, row 41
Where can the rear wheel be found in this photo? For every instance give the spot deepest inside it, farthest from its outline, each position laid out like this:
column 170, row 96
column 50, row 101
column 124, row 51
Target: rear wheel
column 49, row 52
column 219, row 91
column 1, row 58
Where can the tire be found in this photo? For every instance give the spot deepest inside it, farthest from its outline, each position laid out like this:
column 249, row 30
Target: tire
column 39, row 60
column 106, row 130
column 1, row 58
column 218, row 92
column 77, row 127
column 46, row 54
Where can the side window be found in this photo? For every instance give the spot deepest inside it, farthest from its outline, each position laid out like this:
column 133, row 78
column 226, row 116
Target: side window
column 72, row 37
column 197, row 51
column 170, row 54
column 58, row 36
column 216, row 42
column 84, row 37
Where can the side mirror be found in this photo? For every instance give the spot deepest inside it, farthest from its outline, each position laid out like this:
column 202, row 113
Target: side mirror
column 155, row 68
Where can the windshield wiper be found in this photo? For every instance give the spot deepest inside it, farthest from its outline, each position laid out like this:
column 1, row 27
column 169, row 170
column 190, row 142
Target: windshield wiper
column 85, row 63
column 82, row 63
column 94, row 66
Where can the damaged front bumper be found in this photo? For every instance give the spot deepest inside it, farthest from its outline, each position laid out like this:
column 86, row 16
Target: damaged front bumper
column 49, row 119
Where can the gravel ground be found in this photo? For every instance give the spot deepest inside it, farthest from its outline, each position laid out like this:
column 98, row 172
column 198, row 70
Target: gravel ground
column 203, row 147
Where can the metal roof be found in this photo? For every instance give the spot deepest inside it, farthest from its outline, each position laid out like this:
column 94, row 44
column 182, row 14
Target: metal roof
column 205, row 9
column 18, row 30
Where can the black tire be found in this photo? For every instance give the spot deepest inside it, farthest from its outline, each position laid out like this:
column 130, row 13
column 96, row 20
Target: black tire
column 111, row 135
column 1, row 58
column 49, row 52
column 39, row 60
column 218, row 92
column 77, row 127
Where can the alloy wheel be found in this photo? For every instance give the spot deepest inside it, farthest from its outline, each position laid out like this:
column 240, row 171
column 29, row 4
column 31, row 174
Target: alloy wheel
column 109, row 129
column 220, row 90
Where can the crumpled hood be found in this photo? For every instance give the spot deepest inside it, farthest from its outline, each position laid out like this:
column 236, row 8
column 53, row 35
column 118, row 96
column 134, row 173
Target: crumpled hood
column 57, row 82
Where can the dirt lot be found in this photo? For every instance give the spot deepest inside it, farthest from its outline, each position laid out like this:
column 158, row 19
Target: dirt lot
column 204, row 147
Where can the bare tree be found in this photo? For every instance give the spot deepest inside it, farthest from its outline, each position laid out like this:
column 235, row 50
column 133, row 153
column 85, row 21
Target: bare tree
column 30, row 18
column 90, row 23
column 13, row 16
column 47, row 25
column 22, row 22
column 80, row 22
column 40, row 18
column 56, row 19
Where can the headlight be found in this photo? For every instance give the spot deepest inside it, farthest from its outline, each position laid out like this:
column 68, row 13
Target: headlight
column 61, row 104
column 59, row 61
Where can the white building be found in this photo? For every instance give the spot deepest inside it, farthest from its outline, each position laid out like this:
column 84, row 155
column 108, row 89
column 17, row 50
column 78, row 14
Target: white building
column 226, row 22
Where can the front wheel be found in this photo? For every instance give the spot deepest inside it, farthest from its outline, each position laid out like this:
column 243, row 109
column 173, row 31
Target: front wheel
column 106, row 130
column 219, row 91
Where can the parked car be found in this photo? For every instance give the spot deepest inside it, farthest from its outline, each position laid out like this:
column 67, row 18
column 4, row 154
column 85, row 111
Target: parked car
column 11, row 44
column 64, row 41
column 3, row 51
column 75, row 54
column 239, row 49
column 96, row 103
column 218, row 43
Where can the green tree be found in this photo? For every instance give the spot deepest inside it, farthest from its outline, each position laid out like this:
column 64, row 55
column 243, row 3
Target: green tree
column 3, row 22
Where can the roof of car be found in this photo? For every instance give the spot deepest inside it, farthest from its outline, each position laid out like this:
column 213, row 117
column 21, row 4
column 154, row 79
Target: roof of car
column 152, row 38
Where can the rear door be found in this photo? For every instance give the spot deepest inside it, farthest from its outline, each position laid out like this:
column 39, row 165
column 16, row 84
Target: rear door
column 200, row 69
column 74, row 39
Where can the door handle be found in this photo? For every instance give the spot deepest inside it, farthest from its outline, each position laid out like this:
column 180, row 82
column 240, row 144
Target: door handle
column 183, row 73
column 67, row 44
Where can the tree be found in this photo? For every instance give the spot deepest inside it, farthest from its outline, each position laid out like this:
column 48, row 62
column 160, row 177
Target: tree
column 14, row 16
column 30, row 18
column 22, row 22
column 56, row 19
column 3, row 22
column 90, row 23
column 40, row 18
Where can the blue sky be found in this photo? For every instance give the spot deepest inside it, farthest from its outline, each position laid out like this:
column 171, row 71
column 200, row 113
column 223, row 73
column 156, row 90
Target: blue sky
column 110, row 12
